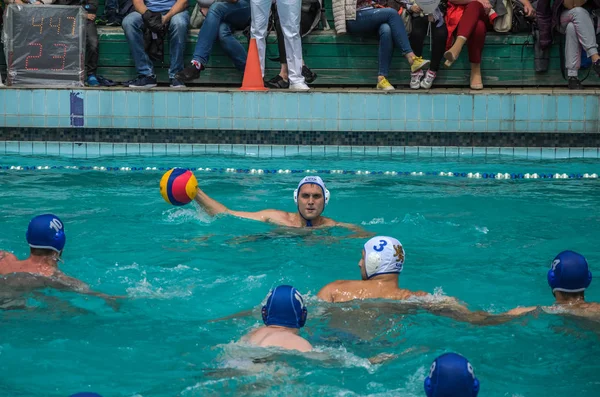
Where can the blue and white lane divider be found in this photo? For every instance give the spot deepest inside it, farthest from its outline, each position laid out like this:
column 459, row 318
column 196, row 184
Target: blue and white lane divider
column 258, row 171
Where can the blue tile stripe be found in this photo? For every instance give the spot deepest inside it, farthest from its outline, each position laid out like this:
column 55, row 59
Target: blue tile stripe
column 514, row 111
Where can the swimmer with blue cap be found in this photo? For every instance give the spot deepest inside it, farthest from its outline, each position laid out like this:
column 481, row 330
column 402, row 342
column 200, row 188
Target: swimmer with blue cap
column 311, row 197
column 451, row 375
column 568, row 277
column 283, row 314
column 46, row 238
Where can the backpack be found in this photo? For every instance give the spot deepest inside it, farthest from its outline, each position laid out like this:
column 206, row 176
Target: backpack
column 520, row 22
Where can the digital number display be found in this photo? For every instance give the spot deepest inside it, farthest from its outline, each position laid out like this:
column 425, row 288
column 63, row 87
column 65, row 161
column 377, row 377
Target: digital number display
column 45, row 44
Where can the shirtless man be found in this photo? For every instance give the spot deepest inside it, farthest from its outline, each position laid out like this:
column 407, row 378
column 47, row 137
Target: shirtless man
column 381, row 263
column 311, row 197
column 283, row 314
column 46, row 239
column 569, row 276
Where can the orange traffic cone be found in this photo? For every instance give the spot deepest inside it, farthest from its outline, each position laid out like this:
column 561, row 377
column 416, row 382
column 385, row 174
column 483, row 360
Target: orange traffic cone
column 253, row 80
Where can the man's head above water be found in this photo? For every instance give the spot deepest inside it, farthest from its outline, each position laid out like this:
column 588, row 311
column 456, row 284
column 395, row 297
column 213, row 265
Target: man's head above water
column 311, row 197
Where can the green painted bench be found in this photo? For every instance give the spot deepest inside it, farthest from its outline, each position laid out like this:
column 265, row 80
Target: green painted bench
column 345, row 60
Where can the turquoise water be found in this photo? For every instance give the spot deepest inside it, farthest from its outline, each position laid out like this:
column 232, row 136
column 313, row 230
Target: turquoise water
column 487, row 242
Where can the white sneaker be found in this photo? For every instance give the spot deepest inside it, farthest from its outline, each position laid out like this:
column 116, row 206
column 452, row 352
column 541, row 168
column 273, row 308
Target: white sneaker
column 299, row 87
column 428, row 80
column 415, row 79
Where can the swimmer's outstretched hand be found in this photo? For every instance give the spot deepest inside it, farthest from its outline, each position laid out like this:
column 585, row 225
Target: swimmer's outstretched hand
column 382, row 358
column 112, row 301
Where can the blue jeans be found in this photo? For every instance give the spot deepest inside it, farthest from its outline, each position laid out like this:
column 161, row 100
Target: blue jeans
column 221, row 20
column 390, row 27
column 133, row 25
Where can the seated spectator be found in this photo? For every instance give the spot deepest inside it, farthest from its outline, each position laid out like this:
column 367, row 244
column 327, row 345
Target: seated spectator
column 365, row 19
column 438, row 36
column 468, row 22
column 158, row 17
column 309, row 18
column 572, row 18
column 221, row 20
column 91, row 42
column 289, row 17
column 114, row 12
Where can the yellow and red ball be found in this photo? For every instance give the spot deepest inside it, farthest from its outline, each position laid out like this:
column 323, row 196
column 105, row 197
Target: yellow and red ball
column 178, row 186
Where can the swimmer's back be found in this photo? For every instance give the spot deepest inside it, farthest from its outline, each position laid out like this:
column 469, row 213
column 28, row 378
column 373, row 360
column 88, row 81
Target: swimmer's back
column 274, row 337
column 8, row 262
column 347, row 290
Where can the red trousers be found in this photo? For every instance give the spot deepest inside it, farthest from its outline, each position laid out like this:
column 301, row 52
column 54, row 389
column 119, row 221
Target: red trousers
column 472, row 24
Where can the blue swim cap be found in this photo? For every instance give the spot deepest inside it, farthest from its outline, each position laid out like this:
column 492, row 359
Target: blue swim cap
column 47, row 232
column 569, row 273
column 85, row 394
column 451, row 375
column 285, row 307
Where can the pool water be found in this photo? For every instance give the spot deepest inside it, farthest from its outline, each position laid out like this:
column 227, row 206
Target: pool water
column 487, row 242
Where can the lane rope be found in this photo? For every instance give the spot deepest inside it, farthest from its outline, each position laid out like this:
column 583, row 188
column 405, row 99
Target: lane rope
column 258, row 171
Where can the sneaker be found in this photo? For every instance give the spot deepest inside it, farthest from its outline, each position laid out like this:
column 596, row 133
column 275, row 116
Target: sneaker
column 101, row 20
column 418, row 64
column 92, row 81
column 188, row 73
column 176, row 83
column 299, row 87
column 113, row 22
column 142, row 82
column 105, row 82
column 428, row 79
column 308, row 74
column 385, row 85
column 596, row 67
column 574, row 83
column 415, row 79
column 277, row 82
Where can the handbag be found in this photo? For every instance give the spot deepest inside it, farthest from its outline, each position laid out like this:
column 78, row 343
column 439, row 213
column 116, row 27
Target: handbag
column 407, row 19
column 197, row 18
column 504, row 23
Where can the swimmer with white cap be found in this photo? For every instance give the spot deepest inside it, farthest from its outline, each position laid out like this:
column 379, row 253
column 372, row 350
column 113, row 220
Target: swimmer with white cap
column 451, row 375
column 311, row 196
column 46, row 238
column 283, row 315
column 569, row 276
column 380, row 266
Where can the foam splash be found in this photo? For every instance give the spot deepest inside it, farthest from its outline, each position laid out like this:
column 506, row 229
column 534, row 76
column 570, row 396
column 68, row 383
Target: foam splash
column 482, row 229
column 143, row 289
column 380, row 221
column 181, row 215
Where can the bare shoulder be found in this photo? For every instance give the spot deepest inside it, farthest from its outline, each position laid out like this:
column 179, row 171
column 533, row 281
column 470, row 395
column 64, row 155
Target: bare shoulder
column 7, row 256
column 326, row 293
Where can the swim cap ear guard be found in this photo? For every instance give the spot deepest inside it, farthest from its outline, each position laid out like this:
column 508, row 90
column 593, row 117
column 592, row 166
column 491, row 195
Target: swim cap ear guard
column 46, row 232
column 451, row 375
column 285, row 307
column 315, row 180
column 569, row 272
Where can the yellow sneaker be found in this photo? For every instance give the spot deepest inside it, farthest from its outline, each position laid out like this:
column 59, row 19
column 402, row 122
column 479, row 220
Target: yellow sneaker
column 418, row 64
column 385, row 85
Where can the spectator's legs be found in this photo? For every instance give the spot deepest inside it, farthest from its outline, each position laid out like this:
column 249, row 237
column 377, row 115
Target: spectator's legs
column 464, row 31
column 210, row 30
column 386, row 49
column 475, row 45
column 578, row 27
column 232, row 46
column 438, row 45
column 289, row 18
column 258, row 27
column 280, row 40
column 133, row 25
column 418, row 34
column 91, row 48
column 178, row 28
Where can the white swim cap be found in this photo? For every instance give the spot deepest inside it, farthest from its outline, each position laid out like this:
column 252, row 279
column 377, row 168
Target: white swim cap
column 314, row 180
column 383, row 255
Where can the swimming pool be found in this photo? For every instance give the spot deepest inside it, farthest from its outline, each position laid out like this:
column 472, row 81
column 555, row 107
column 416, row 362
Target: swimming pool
column 487, row 242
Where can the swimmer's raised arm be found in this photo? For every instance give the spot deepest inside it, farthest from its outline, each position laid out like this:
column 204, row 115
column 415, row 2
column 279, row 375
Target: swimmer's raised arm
column 210, row 205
